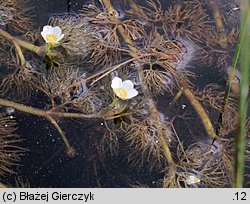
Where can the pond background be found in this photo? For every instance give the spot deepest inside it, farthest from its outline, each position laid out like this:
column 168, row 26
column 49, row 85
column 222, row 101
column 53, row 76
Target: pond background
column 47, row 164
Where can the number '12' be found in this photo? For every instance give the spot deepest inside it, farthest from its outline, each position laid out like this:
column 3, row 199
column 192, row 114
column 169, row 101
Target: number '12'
column 241, row 196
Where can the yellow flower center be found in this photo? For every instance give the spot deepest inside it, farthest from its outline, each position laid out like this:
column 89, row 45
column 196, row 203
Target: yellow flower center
column 51, row 38
column 196, row 180
column 122, row 92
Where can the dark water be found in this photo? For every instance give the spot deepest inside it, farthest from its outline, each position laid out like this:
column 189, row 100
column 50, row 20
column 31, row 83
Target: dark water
column 46, row 164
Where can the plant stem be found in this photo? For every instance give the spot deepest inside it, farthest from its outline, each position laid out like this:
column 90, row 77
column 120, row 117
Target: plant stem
column 47, row 48
column 201, row 112
column 231, row 73
column 108, row 70
column 114, row 13
column 96, row 175
column 49, row 116
column 113, row 104
column 38, row 50
column 244, row 90
column 9, row 37
column 19, row 52
column 219, row 23
column 70, row 150
column 46, row 113
column 152, row 106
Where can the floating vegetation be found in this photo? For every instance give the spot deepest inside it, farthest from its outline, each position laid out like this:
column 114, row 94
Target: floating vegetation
column 78, row 36
column 10, row 152
column 145, row 142
column 17, row 15
column 20, row 82
column 208, row 162
column 129, row 91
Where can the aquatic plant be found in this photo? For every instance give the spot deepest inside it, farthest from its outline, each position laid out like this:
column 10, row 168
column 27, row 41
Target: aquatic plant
column 247, row 155
column 6, row 51
column 212, row 98
column 145, row 144
column 78, row 36
column 107, row 47
column 52, row 35
column 157, row 47
column 10, row 150
column 17, row 15
column 67, row 91
column 183, row 21
column 240, row 138
column 21, row 183
column 123, row 89
column 192, row 179
column 161, row 69
column 20, row 82
column 136, row 111
column 212, row 164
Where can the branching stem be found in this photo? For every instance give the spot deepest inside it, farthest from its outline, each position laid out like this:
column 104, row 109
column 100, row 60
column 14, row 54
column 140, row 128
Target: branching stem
column 154, row 112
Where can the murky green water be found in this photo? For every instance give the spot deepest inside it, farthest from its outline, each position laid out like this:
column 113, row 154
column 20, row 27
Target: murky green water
column 176, row 53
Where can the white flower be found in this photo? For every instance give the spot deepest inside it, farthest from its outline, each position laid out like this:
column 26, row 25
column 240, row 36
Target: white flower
column 52, row 35
column 193, row 180
column 123, row 89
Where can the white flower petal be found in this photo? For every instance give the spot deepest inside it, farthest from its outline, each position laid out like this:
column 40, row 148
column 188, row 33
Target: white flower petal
column 116, row 83
column 43, row 33
column 52, row 34
column 132, row 93
column 124, row 90
column 127, row 85
column 192, row 180
column 47, row 28
column 117, row 93
column 57, row 31
column 60, row 37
